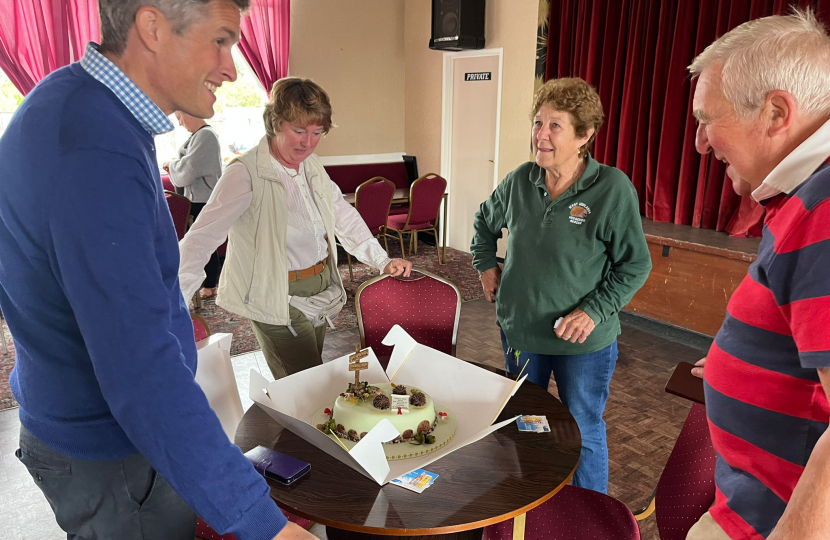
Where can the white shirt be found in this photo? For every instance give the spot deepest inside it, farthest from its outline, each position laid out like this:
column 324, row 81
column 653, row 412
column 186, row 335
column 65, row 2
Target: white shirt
column 797, row 166
column 306, row 243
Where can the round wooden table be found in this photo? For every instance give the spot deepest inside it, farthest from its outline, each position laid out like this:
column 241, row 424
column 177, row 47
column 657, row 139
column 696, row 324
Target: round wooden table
column 501, row 476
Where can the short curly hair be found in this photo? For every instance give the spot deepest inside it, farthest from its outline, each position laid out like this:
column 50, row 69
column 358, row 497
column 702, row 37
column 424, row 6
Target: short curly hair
column 298, row 101
column 577, row 98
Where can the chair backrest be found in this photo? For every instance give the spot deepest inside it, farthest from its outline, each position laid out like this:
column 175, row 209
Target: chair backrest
column 426, row 306
column 425, row 198
column 372, row 201
column 686, row 488
column 200, row 327
column 180, row 210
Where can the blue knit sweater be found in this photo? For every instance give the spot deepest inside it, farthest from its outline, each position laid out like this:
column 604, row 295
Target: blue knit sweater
column 89, row 285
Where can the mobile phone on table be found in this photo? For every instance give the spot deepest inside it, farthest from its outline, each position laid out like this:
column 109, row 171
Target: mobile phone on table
column 277, row 466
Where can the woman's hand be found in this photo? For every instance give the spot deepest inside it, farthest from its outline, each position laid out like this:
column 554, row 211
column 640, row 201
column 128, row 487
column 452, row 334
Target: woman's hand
column 575, row 327
column 396, row 267
column 490, row 280
column 697, row 371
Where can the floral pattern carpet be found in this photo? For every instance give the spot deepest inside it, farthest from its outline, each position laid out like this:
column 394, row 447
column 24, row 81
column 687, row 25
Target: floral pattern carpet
column 458, row 269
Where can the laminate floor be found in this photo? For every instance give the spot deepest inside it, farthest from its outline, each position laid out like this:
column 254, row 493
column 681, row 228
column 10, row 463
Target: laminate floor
column 643, row 421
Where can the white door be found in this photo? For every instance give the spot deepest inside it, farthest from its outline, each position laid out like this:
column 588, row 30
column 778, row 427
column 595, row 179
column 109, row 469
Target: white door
column 473, row 130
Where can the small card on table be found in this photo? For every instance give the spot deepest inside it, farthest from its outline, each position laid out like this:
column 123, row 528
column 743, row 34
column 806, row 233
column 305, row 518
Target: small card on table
column 536, row 424
column 417, row 480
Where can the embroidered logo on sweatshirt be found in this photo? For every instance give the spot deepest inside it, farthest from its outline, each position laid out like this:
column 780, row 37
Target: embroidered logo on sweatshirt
column 579, row 213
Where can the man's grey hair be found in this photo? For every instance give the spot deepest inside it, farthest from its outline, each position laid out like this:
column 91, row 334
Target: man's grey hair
column 782, row 52
column 118, row 17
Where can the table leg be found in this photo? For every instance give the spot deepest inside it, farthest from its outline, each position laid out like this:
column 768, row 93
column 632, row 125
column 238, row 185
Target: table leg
column 519, row 527
column 444, row 249
column 337, row 534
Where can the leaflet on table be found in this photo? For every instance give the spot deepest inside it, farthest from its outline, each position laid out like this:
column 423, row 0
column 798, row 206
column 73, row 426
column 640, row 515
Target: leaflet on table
column 417, row 480
column 475, row 396
column 534, row 423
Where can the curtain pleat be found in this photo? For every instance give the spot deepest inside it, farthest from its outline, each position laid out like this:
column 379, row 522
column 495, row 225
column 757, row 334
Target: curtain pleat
column 265, row 39
column 636, row 54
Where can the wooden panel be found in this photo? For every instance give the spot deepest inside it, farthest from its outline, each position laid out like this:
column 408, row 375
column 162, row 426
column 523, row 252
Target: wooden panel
column 703, row 240
column 688, row 288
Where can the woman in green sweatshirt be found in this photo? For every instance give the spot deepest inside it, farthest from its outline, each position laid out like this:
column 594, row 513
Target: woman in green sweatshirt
column 575, row 252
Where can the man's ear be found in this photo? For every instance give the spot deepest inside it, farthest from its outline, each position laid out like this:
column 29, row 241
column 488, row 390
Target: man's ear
column 152, row 27
column 781, row 107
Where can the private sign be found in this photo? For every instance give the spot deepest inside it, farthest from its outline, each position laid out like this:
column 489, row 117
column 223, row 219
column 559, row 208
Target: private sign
column 483, row 76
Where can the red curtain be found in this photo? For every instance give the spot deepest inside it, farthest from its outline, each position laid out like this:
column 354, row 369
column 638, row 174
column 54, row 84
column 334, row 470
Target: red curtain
column 635, row 52
column 84, row 25
column 265, row 38
column 40, row 36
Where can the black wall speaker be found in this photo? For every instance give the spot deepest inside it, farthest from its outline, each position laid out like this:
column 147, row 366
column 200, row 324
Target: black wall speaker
column 457, row 25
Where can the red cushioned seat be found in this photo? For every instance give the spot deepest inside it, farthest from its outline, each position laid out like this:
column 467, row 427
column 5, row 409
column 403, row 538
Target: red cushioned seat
column 573, row 514
column 426, row 306
column 425, row 196
column 399, row 221
column 179, row 210
column 372, row 200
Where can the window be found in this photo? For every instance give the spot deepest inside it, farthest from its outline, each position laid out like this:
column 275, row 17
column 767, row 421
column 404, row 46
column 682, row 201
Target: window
column 237, row 119
column 10, row 98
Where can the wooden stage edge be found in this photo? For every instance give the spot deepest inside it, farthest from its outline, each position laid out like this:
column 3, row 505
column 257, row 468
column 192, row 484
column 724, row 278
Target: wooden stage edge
column 694, row 273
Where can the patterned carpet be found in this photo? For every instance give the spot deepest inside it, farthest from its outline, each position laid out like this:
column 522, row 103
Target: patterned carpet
column 458, row 269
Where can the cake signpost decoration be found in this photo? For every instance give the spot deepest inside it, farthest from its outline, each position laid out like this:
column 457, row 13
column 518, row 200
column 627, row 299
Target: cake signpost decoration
column 356, row 365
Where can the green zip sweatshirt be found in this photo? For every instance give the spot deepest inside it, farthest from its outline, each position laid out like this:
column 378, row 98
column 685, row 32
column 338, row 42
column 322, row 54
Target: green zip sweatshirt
column 584, row 250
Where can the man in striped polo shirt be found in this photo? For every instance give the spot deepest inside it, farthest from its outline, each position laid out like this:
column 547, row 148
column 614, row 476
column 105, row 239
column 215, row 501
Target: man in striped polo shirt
column 763, row 105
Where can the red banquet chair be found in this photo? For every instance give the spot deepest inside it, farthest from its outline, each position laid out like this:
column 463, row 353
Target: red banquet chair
column 372, row 200
column 685, row 491
column 686, row 488
column 572, row 514
column 200, row 327
column 425, row 196
column 180, row 210
column 426, row 306
column 203, row 530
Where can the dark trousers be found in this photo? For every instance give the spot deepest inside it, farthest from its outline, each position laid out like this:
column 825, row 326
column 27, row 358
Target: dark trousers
column 106, row 500
column 212, row 268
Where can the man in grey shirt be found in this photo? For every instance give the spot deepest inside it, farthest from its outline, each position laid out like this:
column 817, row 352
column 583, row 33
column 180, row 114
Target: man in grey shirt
column 196, row 171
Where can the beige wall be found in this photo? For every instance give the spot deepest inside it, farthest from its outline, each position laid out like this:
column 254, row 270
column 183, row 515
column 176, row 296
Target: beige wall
column 355, row 50
column 424, row 73
column 510, row 24
column 374, row 60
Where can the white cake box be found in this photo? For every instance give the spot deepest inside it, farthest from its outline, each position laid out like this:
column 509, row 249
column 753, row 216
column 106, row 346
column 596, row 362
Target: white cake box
column 475, row 396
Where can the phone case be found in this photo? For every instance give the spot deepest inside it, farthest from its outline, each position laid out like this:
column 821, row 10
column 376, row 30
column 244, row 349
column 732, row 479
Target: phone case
column 277, row 466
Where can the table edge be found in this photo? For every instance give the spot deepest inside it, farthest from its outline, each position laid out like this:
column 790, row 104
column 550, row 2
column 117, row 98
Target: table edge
column 432, row 530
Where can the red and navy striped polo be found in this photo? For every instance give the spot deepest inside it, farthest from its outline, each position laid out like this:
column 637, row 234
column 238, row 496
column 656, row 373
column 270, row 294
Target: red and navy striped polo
column 764, row 400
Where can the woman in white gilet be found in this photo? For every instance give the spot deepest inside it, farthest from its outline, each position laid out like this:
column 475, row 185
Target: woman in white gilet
column 280, row 212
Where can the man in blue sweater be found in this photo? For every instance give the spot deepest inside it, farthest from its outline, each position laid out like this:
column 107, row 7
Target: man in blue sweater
column 115, row 431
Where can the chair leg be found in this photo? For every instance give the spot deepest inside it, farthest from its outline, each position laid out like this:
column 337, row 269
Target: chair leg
column 385, row 242
column 415, row 241
column 349, row 259
column 197, row 300
column 403, row 250
column 437, row 246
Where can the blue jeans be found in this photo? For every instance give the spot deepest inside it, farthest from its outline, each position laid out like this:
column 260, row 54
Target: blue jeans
column 583, row 381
